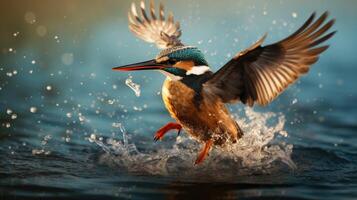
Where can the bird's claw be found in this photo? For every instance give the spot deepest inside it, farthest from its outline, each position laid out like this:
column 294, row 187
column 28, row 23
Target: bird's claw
column 179, row 132
column 163, row 130
column 204, row 152
column 156, row 138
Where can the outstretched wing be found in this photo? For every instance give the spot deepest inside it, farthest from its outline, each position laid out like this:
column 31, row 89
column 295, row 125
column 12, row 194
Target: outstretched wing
column 259, row 74
column 164, row 33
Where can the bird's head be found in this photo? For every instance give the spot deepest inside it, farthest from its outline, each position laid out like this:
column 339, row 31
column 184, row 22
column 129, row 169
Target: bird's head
column 176, row 62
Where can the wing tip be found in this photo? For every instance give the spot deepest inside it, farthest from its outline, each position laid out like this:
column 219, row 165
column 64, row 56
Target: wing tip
column 142, row 5
column 147, row 23
column 312, row 16
column 133, row 9
column 332, row 21
column 326, row 13
column 264, row 36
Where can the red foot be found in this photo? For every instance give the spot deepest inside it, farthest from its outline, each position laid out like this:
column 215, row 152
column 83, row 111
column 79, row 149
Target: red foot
column 163, row 130
column 204, row 152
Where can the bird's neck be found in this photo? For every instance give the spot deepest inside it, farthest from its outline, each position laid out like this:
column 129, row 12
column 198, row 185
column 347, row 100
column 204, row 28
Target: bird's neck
column 195, row 81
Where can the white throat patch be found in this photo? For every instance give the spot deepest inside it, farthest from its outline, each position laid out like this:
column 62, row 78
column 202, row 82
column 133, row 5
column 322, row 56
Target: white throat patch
column 198, row 70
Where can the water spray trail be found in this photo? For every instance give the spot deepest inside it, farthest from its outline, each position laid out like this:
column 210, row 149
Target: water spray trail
column 257, row 150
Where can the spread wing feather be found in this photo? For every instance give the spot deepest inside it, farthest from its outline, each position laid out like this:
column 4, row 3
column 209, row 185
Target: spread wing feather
column 163, row 32
column 259, row 74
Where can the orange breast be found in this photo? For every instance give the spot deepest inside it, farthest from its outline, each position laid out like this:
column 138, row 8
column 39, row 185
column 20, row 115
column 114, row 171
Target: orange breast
column 201, row 121
column 177, row 98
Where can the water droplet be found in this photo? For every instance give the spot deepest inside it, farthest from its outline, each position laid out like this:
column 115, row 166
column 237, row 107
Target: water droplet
column 37, row 151
column 294, row 101
column 116, row 125
column 9, row 111
column 47, row 137
column 40, row 151
column 30, row 17
column 67, row 58
column 81, row 118
column 33, row 62
column 135, row 87
column 13, row 116
column 321, row 119
column 92, row 137
column 294, row 14
column 57, row 39
column 48, row 87
column 41, row 30
column 69, row 115
column 137, row 108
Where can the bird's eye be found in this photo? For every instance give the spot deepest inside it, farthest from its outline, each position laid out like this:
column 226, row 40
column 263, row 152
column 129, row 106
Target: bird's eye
column 171, row 62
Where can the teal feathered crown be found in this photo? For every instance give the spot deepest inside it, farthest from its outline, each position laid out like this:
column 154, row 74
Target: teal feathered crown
column 181, row 53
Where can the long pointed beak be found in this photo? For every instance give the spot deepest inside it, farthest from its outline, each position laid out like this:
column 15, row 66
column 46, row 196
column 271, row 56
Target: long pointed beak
column 146, row 65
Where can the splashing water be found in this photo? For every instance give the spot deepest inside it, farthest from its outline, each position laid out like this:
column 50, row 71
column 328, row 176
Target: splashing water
column 135, row 87
column 257, row 151
column 43, row 150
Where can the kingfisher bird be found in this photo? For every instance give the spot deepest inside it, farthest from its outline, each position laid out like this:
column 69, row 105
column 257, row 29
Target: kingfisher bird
column 195, row 96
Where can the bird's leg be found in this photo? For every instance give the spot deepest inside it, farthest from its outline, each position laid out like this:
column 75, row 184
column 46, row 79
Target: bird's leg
column 163, row 130
column 204, row 152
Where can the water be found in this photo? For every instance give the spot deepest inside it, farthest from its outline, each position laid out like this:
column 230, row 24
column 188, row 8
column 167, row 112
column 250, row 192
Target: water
column 71, row 127
column 135, row 87
column 254, row 152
